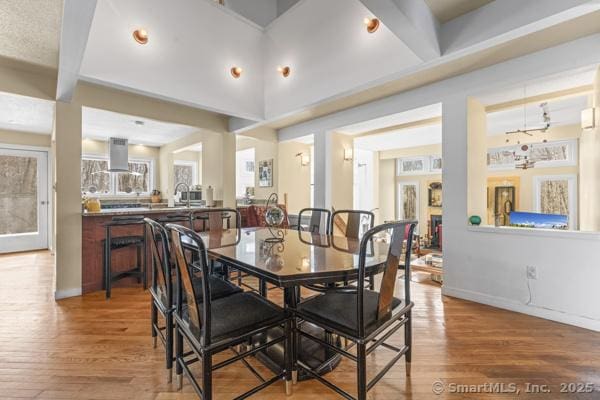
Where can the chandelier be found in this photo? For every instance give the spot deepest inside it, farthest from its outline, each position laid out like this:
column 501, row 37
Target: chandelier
column 524, row 154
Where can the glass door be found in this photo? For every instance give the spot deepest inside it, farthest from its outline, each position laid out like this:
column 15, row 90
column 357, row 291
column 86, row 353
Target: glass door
column 23, row 200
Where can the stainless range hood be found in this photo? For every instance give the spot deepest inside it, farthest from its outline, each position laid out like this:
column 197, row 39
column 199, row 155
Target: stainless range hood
column 118, row 155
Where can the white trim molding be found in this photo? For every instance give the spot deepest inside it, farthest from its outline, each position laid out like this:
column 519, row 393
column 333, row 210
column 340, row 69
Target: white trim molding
column 64, row 294
column 511, row 305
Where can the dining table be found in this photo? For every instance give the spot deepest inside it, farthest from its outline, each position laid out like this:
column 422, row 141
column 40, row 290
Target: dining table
column 289, row 259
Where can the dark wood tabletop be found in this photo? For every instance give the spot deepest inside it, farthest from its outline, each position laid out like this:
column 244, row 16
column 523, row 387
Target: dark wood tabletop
column 301, row 258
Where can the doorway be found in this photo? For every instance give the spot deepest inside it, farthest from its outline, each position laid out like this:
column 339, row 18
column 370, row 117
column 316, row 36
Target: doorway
column 24, row 205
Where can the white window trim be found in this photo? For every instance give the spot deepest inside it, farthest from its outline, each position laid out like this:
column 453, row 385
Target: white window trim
column 572, row 188
column 189, row 163
column 571, row 160
column 400, row 197
column 113, row 181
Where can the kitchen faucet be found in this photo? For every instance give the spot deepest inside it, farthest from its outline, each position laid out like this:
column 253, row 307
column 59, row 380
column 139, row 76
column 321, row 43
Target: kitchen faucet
column 187, row 187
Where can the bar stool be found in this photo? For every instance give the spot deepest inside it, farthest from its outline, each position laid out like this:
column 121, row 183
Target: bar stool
column 121, row 242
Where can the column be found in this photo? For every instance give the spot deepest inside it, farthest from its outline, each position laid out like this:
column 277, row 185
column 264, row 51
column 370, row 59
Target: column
column 322, row 168
column 67, row 189
column 589, row 168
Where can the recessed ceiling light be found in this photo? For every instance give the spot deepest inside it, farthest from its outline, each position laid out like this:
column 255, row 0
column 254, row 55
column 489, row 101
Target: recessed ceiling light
column 139, row 122
column 284, row 71
column 372, row 24
column 236, row 72
column 141, row 36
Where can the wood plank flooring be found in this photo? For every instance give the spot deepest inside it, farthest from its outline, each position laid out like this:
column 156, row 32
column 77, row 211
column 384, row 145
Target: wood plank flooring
column 90, row 348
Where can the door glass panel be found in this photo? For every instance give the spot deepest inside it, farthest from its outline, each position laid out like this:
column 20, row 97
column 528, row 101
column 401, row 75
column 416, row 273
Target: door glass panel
column 18, row 195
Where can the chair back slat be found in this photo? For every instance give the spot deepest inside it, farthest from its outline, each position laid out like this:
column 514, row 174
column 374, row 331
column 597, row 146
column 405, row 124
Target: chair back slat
column 198, row 314
column 318, row 220
column 398, row 235
column 388, row 282
column 161, row 261
column 353, row 224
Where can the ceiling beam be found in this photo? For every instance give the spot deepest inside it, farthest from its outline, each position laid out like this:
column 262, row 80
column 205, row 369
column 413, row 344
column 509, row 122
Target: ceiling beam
column 560, row 94
column 407, row 125
column 76, row 24
column 412, row 22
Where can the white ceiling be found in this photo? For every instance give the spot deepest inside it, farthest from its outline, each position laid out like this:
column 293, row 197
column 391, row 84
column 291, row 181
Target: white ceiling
column 445, row 10
column 191, row 48
column 102, row 125
column 562, row 112
column 417, row 114
column 26, row 114
column 30, row 30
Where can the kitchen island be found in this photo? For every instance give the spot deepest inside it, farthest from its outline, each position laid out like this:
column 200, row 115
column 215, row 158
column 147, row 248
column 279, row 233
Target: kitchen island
column 93, row 233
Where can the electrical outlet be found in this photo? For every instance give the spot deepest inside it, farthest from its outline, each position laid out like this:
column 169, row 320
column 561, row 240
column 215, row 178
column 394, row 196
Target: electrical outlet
column 531, row 272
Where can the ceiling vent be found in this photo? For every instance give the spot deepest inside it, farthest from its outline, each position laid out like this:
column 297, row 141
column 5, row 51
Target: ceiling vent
column 118, row 155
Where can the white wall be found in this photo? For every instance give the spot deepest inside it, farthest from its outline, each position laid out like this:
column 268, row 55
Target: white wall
column 488, row 265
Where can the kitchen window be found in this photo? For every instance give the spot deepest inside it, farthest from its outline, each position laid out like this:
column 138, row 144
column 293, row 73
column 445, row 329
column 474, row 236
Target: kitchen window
column 95, row 178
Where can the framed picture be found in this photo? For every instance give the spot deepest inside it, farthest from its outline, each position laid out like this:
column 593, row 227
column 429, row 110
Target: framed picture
column 435, row 194
column 435, row 164
column 412, row 166
column 560, row 153
column 408, row 200
column 557, row 195
column 265, row 173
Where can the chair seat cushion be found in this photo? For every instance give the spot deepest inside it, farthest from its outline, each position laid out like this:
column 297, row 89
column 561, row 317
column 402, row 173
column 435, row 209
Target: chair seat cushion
column 338, row 310
column 219, row 288
column 242, row 313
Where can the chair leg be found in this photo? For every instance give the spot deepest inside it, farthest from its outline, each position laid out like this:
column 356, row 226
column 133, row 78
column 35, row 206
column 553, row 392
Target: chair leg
column 287, row 357
column 107, row 271
column 169, row 344
column 178, row 357
column 154, row 315
column 207, row 376
column 408, row 341
column 144, row 269
column 138, row 261
column 371, row 282
column 361, row 378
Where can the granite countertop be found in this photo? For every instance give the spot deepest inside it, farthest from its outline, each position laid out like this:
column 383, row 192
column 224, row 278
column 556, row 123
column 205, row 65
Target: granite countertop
column 139, row 210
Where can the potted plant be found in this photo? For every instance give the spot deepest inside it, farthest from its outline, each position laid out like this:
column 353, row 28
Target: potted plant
column 155, row 196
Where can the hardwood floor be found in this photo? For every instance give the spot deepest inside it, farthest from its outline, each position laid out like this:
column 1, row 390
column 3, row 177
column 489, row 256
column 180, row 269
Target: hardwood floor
column 90, row 348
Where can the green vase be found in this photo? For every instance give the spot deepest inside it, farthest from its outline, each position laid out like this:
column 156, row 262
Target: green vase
column 475, row 220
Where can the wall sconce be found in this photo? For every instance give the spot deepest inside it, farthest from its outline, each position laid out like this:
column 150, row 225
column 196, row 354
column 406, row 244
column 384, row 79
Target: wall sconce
column 372, row 24
column 348, row 154
column 236, row 72
column 304, row 159
column 588, row 118
column 284, row 71
column 141, row 36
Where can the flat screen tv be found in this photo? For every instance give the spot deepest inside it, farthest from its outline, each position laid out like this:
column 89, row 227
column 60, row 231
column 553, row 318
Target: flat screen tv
column 535, row 220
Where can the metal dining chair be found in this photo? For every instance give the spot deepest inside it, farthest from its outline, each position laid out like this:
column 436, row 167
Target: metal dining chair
column 216, row 219
column 367, row 318
column 214, row 326
column 318, row 220
column 112, row 242
column 162, row 289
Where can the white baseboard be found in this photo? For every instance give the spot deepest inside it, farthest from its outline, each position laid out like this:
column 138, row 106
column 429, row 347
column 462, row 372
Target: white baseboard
column 511, row 305
column 63, row 294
